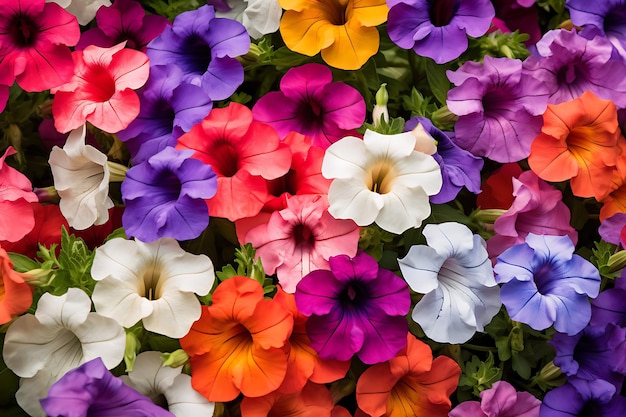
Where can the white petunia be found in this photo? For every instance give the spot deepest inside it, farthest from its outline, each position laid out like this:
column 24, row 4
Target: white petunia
column 259, row 17
column 456, row 276
column 81, row 177
column 154, row 282
column 61, row 335
column 84, row 10
column 381, row 179
column 167, row 386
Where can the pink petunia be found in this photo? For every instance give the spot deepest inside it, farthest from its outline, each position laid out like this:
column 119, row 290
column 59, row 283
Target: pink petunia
column 16, row 213
column 102, row 89
column 34, row 44
column 301, row 238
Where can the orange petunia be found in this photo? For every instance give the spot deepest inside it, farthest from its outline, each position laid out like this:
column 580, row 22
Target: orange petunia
column 579, row 141
column 15, row 295
column 237, row 345
column 412, row 381
column 312, row 401
column 343, row 30
column 304, row 363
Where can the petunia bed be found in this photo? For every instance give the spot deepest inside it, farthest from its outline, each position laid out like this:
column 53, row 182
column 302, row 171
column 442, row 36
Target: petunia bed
column 293, row 208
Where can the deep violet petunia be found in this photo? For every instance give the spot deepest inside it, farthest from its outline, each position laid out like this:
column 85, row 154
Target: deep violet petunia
column 545, row 283
column 311, row 104
column 569, row 65
column 205, row 48
column 438, row 29
column 34, row 44
column 499, row 105
column 580, row 398
column 609, row 16
column 355, row 308
column 169, row 108
column 459, row 168
column 125, row 20
column 165, row 196
column 609, row 306
column 92, row 390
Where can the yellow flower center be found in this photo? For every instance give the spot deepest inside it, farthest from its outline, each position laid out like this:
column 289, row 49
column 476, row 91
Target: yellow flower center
column 380, row 177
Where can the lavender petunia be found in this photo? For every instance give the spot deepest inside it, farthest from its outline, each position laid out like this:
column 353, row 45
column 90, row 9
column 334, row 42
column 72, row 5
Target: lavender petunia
column 169, row 108
column 91, row 390
column 609, row 16
column 459, row 168
column 205, row 48
column 355, row 308
column 499, row 105
column 165, row 196
column 609, row 306
column 569, row 65
column 611, row 228
column 438, row 29
column 545, row 283
column 580, row 398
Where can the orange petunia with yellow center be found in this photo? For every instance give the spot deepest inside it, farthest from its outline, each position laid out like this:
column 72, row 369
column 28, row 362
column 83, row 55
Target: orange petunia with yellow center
column 237, row 345
column 580, row 140
column 343, row 30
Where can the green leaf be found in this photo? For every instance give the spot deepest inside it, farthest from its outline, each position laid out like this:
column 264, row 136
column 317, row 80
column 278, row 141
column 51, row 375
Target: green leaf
column 437, row 80
column 22, row 263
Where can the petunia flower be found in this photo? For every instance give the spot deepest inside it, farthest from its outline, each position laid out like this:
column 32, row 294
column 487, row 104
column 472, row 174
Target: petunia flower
column 125, row 20
column 344, row 32
column 259, row 17
column 356, row 308
column 84, row 10
column 537, row 208
column 61, row 335
column 382, row 179
column 412, row 382
column 165, row 196
column 545, row 284
column 518, row 15
column 243, row 153
column 582, row 398
column 438, row 29
column 301, row 238
column 312, row 401
column 169, row 108
column 580, row 141
column 152, row 282
column 16, row 213
column 16, row 295
column 81, row 178
column 237, row 344
column 499, row 105
column 607, row 16
column 165, row 384
column 34, row 44
column 102, row 89
column 205, row 48
column 497, row 191
column 501, row 400
column 92, row 390
column 311, row 104
column 569, row 65
column 456, row 276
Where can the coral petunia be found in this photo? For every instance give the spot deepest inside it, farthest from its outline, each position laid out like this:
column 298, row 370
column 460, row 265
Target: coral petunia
column 102, row 89
column 412, row 382
column 34, row 44
column 579, row 141
column 15, row 295
column 237, row 345
column 344, row 31
column 312, row 401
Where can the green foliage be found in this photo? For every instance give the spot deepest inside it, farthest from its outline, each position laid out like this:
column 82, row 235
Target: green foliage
column 247, row 266
column 373, row 239
column 501, row 45
column 171, row 8
column 605, row 258
column 479, row 375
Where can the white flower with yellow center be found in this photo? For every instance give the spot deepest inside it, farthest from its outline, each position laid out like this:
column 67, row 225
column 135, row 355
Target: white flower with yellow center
column 153, row 282
column 382, row 179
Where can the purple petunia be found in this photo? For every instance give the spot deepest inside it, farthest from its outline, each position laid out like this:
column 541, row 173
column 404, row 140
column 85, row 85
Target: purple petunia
column 501, row 400
column 581, row 398
column 311, row 104
column 438, row 29
column 204, row 47
column 92, row 391
column 570, row 64
column 459, row 168
column 545, row 283
column 169, row 108
column 499, row 105
column 355, row 308
column 165, row 196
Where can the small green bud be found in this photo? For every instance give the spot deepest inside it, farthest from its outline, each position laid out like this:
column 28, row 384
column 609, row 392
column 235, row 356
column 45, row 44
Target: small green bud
column 175, row 359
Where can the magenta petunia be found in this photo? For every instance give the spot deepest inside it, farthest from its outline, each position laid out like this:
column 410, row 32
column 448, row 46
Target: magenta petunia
column 499, row 105
column 355, row 308
column 501, row 400
column 311, row 104
column 34, row 44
